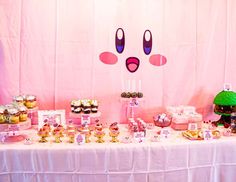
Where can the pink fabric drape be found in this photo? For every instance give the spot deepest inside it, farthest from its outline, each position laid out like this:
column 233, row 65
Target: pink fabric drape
column 51, row 49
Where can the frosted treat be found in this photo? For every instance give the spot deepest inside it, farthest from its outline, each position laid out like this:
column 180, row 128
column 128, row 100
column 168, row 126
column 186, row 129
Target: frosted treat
column 2, row 114
column 19, row 99
column 72, row 103
column 77, row 106
column 86, row 106
column 23, row 113
column 94, row 106
column 30, row 101
column 14, row 116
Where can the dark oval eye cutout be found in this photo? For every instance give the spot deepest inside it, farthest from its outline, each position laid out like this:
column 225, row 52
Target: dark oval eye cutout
column 147, row 42
column 120, row 40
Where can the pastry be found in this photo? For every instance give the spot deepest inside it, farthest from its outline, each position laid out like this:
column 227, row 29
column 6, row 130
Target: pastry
column 2, row 114
column 94, row 106
column 193, row 134
column 23, row 113
column 77, row 106
column 30, row 101
column 86, row 106
column 14, row 115
column 19, row 99
column 72, row 104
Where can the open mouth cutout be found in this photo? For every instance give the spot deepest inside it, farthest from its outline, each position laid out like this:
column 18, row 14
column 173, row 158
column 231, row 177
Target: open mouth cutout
column 132, row 64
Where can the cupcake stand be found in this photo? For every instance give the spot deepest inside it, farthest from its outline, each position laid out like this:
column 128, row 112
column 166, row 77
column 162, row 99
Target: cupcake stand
column 14, row 132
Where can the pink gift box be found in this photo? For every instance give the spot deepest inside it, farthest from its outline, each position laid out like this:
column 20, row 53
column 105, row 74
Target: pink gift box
column 180, row 121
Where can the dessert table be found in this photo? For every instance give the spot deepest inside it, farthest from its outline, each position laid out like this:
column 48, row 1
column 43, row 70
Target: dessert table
column 172, row 159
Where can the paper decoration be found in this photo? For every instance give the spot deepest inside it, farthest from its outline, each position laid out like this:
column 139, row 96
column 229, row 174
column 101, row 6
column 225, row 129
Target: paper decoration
column 134, row 102
column 80, row 139
column 207, row 135
column 139, row 137
column 165, row 133
column 192, row 126
column 51, row 117
column 85, row 119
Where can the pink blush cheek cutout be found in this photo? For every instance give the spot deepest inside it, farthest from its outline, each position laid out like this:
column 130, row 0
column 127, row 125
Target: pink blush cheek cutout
column 157, row 60
column 108, row 58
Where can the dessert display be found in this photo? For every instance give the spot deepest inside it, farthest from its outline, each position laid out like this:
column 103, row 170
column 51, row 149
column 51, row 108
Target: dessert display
column 13, row 113
column 85, row 106
column 225, row 104
column 29, row 101
column 99, row 133
column 114, row 132
column 131, row 94
column 181, row 116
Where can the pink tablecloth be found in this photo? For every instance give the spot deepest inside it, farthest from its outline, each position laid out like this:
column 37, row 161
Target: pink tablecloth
column 175, row 159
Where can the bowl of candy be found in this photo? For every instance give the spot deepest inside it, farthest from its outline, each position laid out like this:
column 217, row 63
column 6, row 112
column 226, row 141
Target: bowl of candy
column 162, row 120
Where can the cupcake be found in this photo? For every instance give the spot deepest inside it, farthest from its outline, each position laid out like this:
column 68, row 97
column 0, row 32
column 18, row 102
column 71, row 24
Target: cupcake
column 23, row 113
column 19, row 99
column 2, row 114
column 72, row 105
column 77, row 106
column 14, row 115
column 94, row 106
column 30, row 101
column 86, row 106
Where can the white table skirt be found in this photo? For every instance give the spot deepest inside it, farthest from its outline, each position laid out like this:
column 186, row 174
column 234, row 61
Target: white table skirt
column 175, row 159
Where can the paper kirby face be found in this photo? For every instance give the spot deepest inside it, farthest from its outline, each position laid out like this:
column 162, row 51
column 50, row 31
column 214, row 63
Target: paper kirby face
column 132, row 62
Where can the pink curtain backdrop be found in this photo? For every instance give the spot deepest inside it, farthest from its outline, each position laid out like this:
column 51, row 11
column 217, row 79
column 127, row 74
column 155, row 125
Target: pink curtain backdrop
column 51, row 49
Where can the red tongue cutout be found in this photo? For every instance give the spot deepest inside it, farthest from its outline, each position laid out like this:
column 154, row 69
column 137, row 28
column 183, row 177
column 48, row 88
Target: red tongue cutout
column 132, row 64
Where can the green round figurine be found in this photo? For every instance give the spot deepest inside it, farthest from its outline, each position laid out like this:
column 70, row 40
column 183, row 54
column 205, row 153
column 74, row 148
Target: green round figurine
column 225, row 104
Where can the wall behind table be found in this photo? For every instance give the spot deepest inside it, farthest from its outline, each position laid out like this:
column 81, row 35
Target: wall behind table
column 51, row 49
